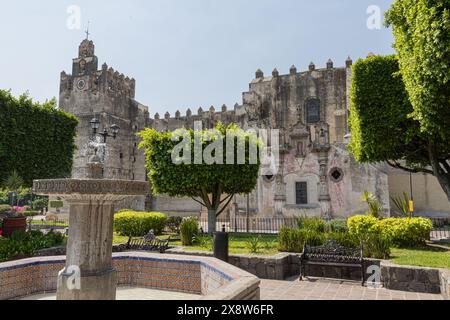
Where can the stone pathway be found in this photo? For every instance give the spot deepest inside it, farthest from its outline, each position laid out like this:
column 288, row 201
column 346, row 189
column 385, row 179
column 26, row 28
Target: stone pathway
column 280, row 290
column 333, row 290
column 133, row 294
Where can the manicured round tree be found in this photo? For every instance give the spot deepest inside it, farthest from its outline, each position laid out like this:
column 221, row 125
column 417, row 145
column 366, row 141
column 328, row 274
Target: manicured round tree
column 422, row 40
column 381, row 124
column 209, row 166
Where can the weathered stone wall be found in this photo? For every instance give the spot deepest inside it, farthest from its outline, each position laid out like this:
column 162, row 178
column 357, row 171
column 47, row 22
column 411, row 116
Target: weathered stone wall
column 445, row 284
column 286, row 265
column 414, row 279
column 311, row 146
column 429, row 198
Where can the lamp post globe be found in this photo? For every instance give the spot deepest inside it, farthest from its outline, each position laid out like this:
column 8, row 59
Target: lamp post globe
column 95, row 125
column 115, row 129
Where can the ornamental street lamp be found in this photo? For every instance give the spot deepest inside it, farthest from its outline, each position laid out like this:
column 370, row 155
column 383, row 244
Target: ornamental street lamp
column 113, row 130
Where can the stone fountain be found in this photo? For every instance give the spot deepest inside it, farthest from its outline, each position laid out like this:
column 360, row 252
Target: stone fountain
column 89, row 248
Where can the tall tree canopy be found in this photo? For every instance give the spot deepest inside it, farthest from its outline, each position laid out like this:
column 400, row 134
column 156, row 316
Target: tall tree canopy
column 381, row 123
column 36, row 140
column 198, row 164
column 422, row 40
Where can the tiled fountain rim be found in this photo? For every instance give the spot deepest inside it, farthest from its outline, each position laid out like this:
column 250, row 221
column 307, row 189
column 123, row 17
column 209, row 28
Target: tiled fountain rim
column 239, row 284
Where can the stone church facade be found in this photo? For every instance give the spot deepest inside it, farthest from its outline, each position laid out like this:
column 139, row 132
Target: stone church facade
column 317, row 177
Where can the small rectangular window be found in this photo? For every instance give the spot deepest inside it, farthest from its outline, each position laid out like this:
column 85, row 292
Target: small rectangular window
column 301, row 193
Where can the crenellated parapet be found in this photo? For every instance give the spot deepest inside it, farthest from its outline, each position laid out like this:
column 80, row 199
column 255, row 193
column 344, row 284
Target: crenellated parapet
column 116, row 83
column 209, row 118
column 86, row 77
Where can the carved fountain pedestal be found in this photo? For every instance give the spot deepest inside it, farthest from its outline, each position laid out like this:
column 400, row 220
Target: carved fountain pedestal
column 89, row 248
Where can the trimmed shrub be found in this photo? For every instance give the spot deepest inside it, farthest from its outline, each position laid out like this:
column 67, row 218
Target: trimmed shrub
column 375, row 239
column 379, row 235
column 377, row 245
column 31, row 213
column 312, row 224
column 337, row 226
column 189, row 231
column 344, row 239
column 361, row 226
column 138, row 224
column 407, row 232
column 293, row 240
column 290, row 240
column 40, row 204
column 5, row 208
column 25, row 244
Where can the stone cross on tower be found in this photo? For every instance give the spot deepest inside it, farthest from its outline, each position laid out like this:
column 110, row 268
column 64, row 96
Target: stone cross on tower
column 87, row 31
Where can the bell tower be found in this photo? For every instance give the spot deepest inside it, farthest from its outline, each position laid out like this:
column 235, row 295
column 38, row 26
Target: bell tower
column 87, row 61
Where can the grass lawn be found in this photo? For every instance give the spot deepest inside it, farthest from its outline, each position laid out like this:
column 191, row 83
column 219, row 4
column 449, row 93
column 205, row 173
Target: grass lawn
column 118, row 239
column 48, row 223
column 428, row 256
column 434, row 257
column 239, row 244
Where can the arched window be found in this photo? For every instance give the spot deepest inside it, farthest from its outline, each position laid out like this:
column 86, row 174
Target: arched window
column 313, row 110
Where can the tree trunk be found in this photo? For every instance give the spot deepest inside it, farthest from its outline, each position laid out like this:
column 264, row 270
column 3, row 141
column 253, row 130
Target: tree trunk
column 440, row 173
column 444, row 181
column 211, row 221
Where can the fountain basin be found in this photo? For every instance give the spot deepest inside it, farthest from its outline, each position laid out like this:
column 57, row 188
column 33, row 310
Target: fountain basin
column 89, row 249
column 204, row 277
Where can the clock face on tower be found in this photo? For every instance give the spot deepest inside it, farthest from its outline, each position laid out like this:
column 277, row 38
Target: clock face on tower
column 81, row 84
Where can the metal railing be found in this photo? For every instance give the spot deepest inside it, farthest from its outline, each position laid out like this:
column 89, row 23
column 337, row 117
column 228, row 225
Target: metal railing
column 273, row 225
column 441, row 229
column 251, row 225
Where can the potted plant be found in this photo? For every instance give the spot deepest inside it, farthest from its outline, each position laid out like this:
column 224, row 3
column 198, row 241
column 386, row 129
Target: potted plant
column 14, row 221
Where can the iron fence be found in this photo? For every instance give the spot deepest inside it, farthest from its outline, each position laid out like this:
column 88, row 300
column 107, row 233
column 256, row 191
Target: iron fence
column 273, row 225
column 251, row 225
column 441, row 229
column 54, row 224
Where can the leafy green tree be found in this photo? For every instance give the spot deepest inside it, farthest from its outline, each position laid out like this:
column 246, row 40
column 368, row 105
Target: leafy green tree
column 422, row 40
column 198, row 166
column 36, row 140
column 382, row 127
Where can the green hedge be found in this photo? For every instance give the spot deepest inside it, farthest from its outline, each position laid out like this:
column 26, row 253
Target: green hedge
column 312, row 224
column 402, row 232
column 293, row 240
column 36, row 140
column 26, row 244
column 5, row 208
column 39, row 204
column 138, row 224
column 31, row 213
column 379, row 109
column 407, row 232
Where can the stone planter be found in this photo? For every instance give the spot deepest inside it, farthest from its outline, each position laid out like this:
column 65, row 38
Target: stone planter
column 12, row 224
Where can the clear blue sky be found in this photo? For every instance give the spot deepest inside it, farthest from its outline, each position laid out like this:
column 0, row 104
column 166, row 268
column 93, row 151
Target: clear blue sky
column 183, row 53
